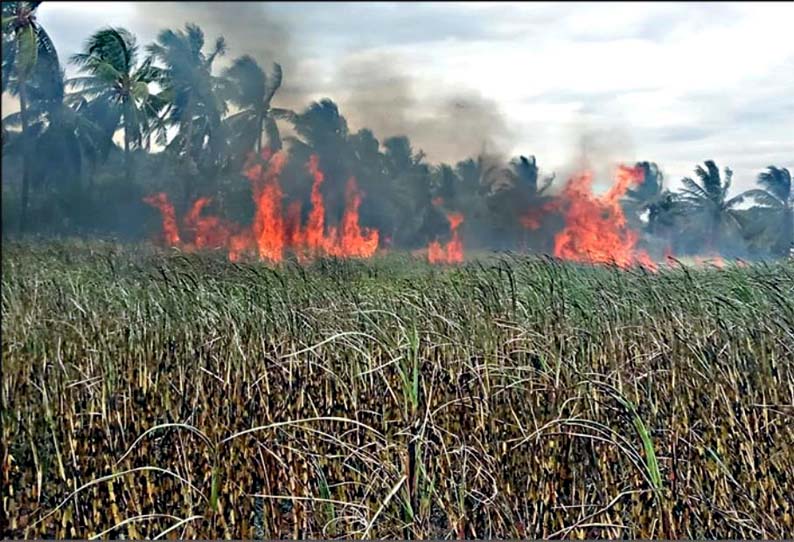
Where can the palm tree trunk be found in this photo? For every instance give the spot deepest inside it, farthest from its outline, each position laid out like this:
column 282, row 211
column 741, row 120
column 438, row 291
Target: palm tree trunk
column 23, row 109
column 90, row 178
column 188, row 173
column 127, row 160
column 260, row 125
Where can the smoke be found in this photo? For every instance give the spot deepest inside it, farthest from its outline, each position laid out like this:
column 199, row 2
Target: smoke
column 376, row 91
column 600, row 145
column 373, row 90
column 248, row 28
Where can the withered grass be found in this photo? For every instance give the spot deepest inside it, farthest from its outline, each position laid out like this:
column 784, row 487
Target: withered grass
column 157, row 394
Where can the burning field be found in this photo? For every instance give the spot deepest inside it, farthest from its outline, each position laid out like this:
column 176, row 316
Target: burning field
column 235, row 308
column 374, row 395
column 595, row 229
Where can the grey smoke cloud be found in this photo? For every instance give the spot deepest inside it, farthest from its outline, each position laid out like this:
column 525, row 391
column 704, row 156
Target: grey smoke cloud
column 374, row 91
column 377, row 91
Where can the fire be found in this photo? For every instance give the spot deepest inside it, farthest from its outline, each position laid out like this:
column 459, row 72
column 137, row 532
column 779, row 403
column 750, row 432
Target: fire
column 530, row 221
column 453, row 251
column 595, row 227
column 208, row 232
column 268, row 227
column 273, row 230
column 351, row 239
column 170, row 230
column 316, row 226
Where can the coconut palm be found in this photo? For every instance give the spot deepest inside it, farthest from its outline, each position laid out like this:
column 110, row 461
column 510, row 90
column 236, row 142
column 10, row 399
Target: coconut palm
column 252, row 91
column 115, row 78
column 708, row 204
column 650, row 188
column 650, row 196
column 62, row 137
column 513, row 192
column 523, row 174
column 194, row 98
column 778, row 196
column 28, row 52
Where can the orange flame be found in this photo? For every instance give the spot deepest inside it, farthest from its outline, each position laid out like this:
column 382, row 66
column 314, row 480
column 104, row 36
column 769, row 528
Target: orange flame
column 208, row 232
column 530, row 221
column 315, row 229
column 268, row 227
column 273, row 231
column 595, row 227
column 351, row 240
column 453, row 251
column 170, row 230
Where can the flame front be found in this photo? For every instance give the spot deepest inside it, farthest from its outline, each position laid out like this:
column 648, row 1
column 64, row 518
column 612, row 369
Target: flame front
column 315, row 229
column 452, row 252
column 351, row 240
column 170, row 230
column 274, row 231
column 595, row 227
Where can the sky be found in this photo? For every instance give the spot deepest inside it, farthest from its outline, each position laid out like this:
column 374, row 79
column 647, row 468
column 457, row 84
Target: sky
column 675, row 83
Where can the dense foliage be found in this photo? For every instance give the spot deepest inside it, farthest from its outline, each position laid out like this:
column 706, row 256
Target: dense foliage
column 519, row 397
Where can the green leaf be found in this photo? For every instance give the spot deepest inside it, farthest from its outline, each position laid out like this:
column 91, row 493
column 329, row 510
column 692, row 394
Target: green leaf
column 27, row 52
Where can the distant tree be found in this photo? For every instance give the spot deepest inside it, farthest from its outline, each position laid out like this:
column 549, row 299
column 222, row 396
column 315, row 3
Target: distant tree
column 28, row 52
column 470, row 172
column 514, row 192
column 194, row 102
column 62, row 137
column 708, row 206
column 445, row 183
column 418, row 219
column 252, row 90
column 777, row 196
column 367, row 164
column 119, row 84
column 648, row 191
column 651, row 197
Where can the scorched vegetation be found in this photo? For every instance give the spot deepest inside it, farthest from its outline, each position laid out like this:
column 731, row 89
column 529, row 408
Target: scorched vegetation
column 158, row 393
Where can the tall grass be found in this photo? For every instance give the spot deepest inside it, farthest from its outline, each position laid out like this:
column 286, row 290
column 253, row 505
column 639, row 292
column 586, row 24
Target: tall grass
column 162, row 394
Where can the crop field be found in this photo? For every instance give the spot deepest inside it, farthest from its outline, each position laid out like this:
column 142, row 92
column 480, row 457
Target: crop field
column 152, row 393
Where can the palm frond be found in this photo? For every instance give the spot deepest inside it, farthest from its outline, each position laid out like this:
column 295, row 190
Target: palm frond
column 777, row 181
column 765, row 198
column 694, row 189
column 274, row 83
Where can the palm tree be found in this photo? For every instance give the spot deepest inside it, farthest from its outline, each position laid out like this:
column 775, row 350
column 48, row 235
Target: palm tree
column 27, row 53
column 708, row 202
column 515, row 192
column 523, row 173
column 650, row 196
column 60, row 135
column 323, row 130
column 194, row 99
column 778, row 196
column 649, row 190
column 252, row 90
column 115, row 78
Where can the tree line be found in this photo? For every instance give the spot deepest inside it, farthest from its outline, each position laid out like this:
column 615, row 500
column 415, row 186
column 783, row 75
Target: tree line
column 64, row 172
